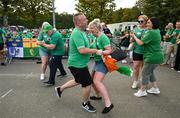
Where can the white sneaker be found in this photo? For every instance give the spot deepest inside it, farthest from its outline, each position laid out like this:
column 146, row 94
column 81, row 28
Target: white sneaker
column 154, row 90
column 178, row 71
column 42, row 77
column 140, row 93
column 124, row 61
column 134, row 85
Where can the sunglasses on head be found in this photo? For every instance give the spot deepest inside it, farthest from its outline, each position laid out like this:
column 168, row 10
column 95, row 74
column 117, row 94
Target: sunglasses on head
column 140, row 21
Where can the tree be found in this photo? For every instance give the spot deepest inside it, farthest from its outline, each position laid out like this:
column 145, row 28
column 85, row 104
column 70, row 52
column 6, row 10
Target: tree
column 31, row 10
column 117, row 16
column 102, row 9
column 28, row 12
column 4, row 5
column 126, row 14
column 165, row 10
column 64, row 21
column 130, row 14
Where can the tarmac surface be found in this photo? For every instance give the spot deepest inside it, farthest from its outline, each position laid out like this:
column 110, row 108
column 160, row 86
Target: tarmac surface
column 23, row 95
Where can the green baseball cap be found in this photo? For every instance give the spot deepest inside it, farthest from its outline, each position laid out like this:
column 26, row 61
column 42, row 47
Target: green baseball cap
column 47, row 27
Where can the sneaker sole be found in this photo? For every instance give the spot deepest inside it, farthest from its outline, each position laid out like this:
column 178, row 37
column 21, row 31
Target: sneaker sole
column 56, row 92
column 134, row 87
column 42, row 79
column 88, row 110
column 49, row 85
column 140, row 96
column 108, row 110
column 153, row 93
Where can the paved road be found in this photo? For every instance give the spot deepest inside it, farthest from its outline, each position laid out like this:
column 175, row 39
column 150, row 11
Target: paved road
column 22, row 95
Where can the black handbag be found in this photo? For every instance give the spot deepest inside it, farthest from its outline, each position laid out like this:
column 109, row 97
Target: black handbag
column 118, row 54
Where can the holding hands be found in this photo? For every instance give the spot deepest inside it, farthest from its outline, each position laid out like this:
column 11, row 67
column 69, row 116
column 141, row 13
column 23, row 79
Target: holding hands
column 99, row 52
column 41, row 43
column 132, row 34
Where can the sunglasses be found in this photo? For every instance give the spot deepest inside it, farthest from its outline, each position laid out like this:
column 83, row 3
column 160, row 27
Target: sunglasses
column 140, row 21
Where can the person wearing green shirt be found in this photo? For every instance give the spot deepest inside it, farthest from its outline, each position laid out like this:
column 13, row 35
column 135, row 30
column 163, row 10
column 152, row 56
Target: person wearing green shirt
column 2, row 45
column 116, row 33
column 102, row 43
column 56, row 47
column 79, row 56
column 43, row 51
column 167, row 45
column 138, row 50
column 65, row 37
column 153, row 56
column 172, row 48
column 2, row 39
column 177, row 36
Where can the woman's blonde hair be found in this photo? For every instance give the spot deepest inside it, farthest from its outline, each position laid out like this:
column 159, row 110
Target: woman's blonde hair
column 95, row 23
column 143, row 17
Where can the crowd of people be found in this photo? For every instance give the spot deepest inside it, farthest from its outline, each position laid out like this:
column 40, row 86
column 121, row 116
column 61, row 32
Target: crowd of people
column 149, row 46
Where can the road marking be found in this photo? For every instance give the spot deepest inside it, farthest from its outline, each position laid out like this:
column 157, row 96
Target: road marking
column 18, row 75
column 6, row 93
column 28, row 75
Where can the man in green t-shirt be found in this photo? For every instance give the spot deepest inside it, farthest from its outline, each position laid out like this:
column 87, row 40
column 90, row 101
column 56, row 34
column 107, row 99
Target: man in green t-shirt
column 65, row 37
column 56, row 47
column 167, row 45
column 79, row 56
column 2, row 38
column 172, row 47
column 2, row 44
column 177, row 62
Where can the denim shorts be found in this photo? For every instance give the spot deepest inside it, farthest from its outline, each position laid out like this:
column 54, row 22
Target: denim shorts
column 43, row 52
column 99, row 66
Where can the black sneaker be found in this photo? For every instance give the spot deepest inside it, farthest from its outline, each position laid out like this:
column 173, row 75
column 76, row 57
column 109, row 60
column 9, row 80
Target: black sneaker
column 3, row 64
column 88, row 107
column 48, row 83
column 95, row 98
column 58, row 91
column 107, row 109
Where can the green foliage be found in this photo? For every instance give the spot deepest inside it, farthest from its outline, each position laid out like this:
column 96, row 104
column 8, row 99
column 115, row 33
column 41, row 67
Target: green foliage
column 102, row 9
column 130, row 14
column 31, row 10
column 126, row 14
column 32, row 13
column 26, row 12
column 165, row 10
column 105, row 10
column 64, row 21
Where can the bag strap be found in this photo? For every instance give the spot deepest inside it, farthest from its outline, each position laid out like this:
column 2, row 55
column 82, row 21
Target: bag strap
column 96, row 44
column 117, row 46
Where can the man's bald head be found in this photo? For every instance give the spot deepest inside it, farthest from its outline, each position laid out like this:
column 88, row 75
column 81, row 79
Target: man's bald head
column 80, row 21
